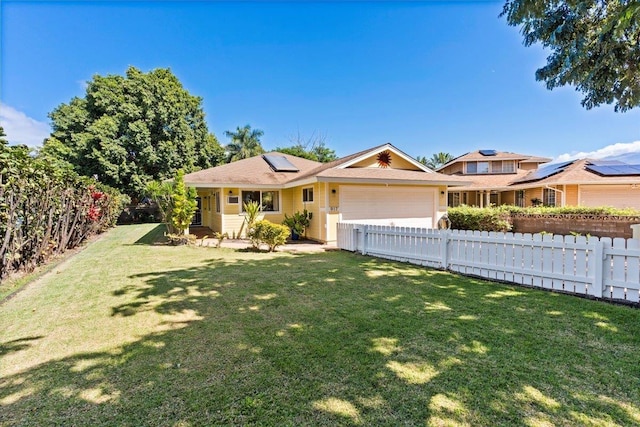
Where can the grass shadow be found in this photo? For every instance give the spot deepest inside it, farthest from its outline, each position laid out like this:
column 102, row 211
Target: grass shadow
column 155, row 236
column 17, row 345
column 340, row 339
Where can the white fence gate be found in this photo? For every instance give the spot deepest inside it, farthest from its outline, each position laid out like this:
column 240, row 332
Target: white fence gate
column 598, row 267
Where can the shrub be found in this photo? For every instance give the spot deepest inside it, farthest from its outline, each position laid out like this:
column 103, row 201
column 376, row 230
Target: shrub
column 267, row 232
column 46, row 208
column 481, row 219
column 298, row 222
column 252, row 212
column 500, row 218
column 181, row 239
column 176, row 202
column 578, row 210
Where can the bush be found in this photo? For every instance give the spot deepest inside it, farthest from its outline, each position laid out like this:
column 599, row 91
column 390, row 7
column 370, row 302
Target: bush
column 181, row 239
column 46, row 208
column 481, row 219
column 500, row 218
column 176, row 202
column 267, row 232
column 576, row 210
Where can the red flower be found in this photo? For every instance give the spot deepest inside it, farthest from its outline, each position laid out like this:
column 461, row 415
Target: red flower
column 94, row 213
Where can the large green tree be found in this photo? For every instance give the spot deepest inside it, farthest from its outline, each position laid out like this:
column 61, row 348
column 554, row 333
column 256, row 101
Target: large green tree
column 594, row 45
column 128, row 130
column 245, row 143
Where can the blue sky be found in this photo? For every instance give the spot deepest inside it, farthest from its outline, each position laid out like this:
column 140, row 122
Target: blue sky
column 425, row 76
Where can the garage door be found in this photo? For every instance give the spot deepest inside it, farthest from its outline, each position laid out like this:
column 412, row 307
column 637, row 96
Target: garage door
column 618, row 196
column 366, row 202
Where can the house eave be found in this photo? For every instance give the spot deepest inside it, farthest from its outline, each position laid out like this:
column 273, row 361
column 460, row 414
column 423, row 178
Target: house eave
column 389, row 181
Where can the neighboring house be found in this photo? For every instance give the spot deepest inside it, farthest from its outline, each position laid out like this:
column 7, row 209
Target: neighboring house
column 582, row 182
column 501, row 178
column 492, row 173
column 375, row 184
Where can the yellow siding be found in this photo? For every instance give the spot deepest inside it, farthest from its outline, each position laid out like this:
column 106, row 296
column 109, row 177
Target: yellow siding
column 397, row 162
column 472, row 199
column 533, row 193
column 508, row 197
column 315, row 208
column 571, row 195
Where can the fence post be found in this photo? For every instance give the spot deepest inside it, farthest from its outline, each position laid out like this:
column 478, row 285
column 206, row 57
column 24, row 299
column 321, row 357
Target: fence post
column 444, row 248
column 365, row 228
column 598, row 279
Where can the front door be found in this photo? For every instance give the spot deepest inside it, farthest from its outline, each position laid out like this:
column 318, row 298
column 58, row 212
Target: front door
column 197, row 216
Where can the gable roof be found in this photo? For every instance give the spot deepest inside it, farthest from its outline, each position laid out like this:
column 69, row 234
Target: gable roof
column 575, row 172
column 499, row 155
column 256, row 172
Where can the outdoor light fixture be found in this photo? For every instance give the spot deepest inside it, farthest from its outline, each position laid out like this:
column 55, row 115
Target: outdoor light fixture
column 333, row 191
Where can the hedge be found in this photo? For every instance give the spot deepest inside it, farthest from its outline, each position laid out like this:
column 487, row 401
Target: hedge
column 499, row 218
column 46, row 209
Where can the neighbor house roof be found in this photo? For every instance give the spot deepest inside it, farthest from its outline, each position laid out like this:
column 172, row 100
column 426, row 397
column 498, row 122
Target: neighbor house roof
column 256, row 172
column 492, row 182
column 499, row 155
column 575, row 172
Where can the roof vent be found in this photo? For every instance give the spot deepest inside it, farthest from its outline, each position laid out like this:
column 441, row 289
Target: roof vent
column 488, row 152
column 280, row 163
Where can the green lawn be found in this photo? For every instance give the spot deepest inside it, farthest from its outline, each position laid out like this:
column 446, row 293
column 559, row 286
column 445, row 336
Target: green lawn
column 128, row 333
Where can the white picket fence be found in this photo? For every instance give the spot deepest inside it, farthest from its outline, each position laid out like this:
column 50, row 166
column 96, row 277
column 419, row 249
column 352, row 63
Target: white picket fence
column 599, row 267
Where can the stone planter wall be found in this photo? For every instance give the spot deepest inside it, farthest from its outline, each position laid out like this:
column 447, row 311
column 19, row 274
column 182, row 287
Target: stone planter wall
column 601, row 226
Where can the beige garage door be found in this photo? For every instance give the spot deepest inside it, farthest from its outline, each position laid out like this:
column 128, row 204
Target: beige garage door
column 367, row 202
column 619, row 196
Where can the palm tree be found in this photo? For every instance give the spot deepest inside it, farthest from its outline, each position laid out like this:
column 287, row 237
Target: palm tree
column 245, row 143
column 437, row 160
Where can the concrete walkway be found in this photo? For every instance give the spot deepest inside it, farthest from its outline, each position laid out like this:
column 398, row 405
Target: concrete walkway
column 290, row 246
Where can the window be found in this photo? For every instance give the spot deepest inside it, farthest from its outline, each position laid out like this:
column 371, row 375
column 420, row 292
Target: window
column 268, row 200
column 477, row 167
column 549, row 197
column 508, row 166
column 454, row 200
column 307, row 195
column 483, row 167
column 520, row 198
column 472, row 167
column 496, row 166
column 217, row 195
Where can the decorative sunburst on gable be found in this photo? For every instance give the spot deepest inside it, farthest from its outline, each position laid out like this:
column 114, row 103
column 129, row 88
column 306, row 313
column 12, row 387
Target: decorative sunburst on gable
column 384, row 159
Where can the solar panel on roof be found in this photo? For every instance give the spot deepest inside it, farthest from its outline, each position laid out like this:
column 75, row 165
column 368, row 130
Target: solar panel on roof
column 601, row 162
column 546, row 171
column 488, row 152
column 280, row 163
column 615, row 170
